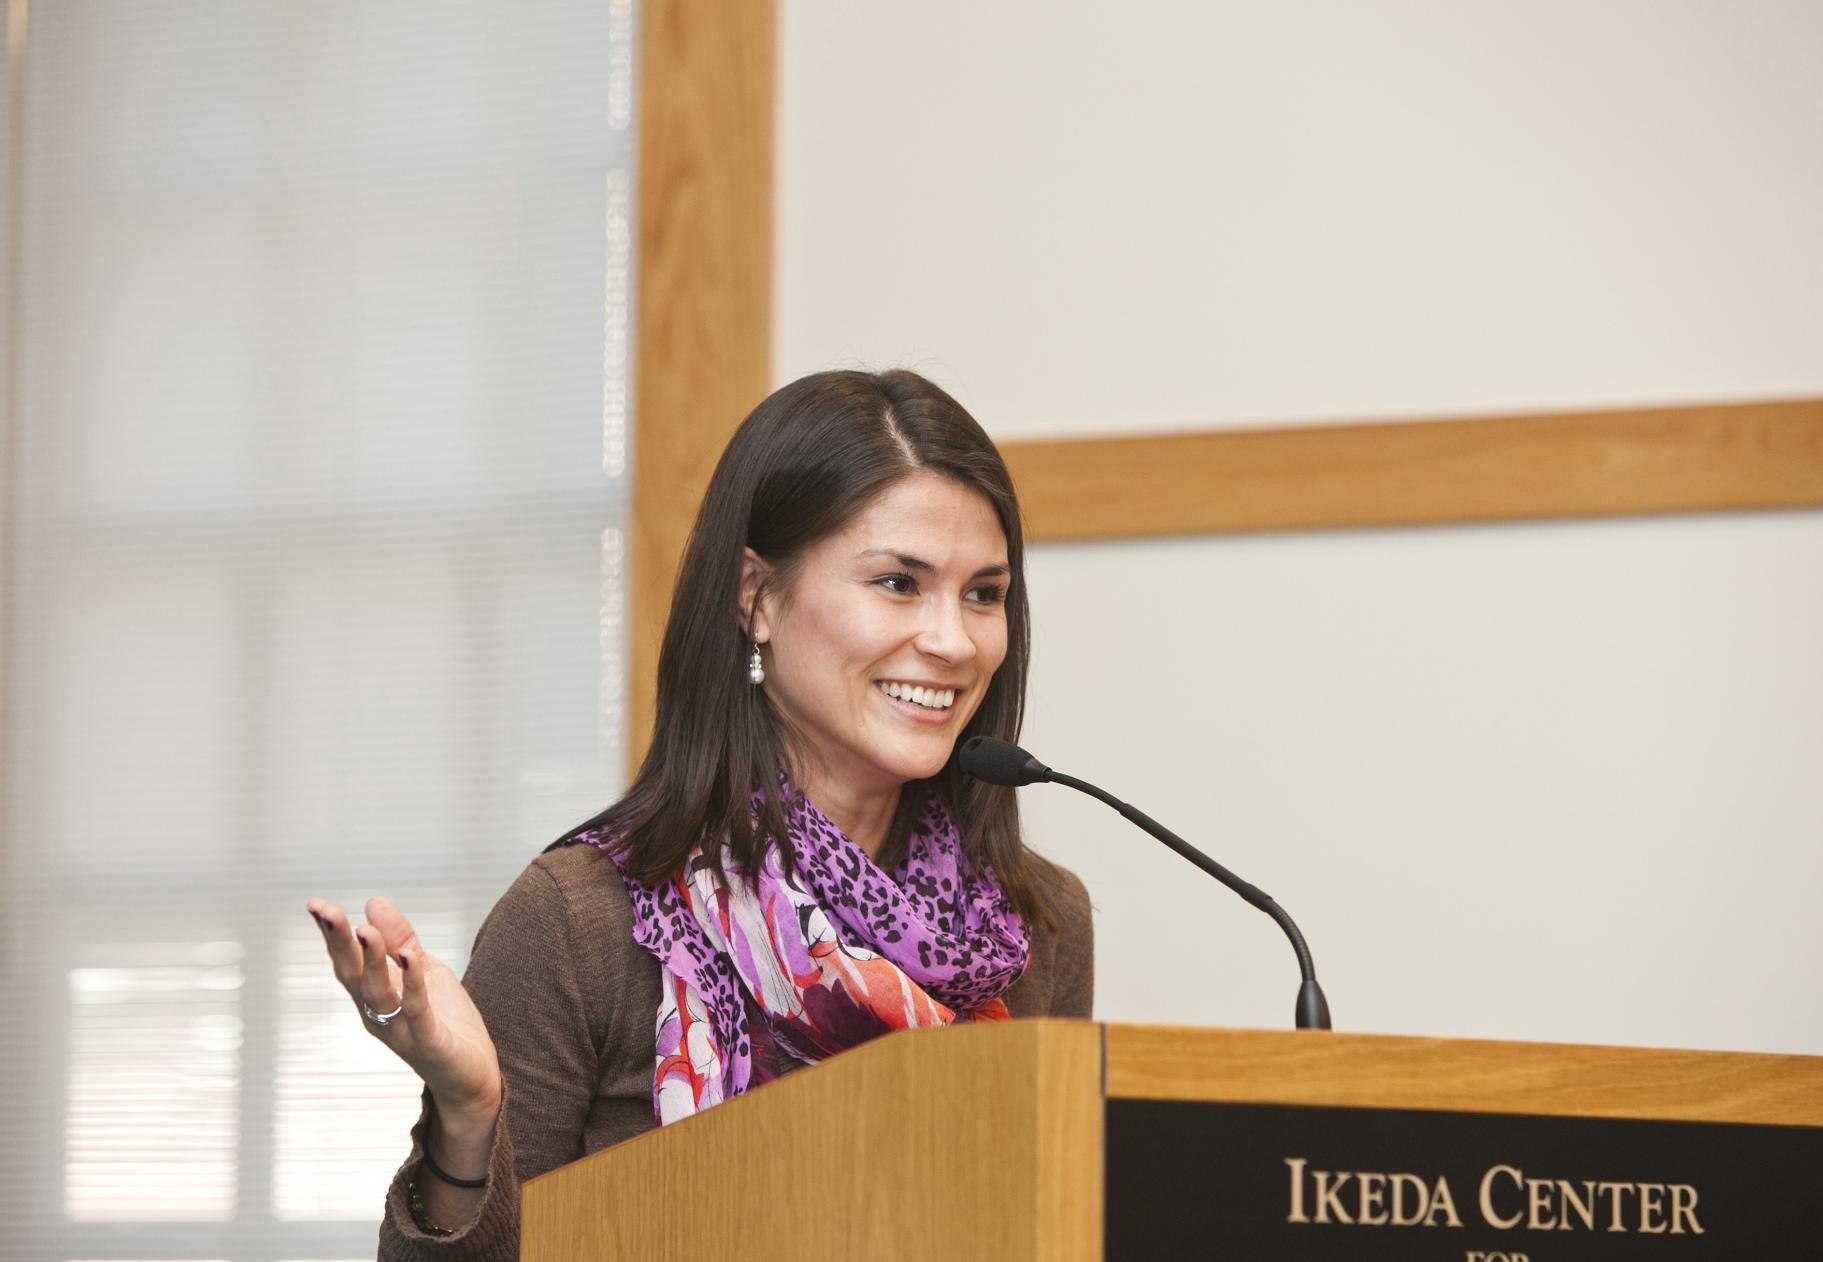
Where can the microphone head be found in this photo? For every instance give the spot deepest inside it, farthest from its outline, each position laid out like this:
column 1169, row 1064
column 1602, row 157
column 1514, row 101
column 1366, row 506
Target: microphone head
column 1000, row 762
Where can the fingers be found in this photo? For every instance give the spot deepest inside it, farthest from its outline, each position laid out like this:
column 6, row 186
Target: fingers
column 415, row 990
column 378, row 988
column 394, row 928
column 338, row 940
column 381, row 964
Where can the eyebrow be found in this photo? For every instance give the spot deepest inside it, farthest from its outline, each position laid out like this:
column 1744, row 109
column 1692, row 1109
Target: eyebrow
column 920, row 566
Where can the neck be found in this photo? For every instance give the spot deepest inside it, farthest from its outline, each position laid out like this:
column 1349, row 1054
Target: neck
column 863, row 815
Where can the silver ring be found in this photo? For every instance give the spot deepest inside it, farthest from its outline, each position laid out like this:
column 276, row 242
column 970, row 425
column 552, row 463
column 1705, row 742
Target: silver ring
column 381, row 1019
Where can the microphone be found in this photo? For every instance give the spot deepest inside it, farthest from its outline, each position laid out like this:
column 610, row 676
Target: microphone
column 1001, row 762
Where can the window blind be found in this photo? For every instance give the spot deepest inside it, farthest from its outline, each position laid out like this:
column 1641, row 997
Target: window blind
column 314, row 492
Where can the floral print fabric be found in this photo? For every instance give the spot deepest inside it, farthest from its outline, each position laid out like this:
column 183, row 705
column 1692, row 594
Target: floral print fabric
column 800, row 967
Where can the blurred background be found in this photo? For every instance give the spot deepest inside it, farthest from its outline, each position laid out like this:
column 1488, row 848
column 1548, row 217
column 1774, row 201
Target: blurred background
column 362, row 361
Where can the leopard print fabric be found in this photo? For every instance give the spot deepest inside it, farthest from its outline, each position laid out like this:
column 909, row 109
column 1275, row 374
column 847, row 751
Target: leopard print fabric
column 802, row 966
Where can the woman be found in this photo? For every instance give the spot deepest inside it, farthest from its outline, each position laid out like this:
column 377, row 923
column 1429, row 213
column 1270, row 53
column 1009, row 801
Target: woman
column 851, row 606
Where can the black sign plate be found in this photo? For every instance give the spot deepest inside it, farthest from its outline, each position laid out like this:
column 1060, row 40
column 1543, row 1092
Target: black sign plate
column 1277, row 1183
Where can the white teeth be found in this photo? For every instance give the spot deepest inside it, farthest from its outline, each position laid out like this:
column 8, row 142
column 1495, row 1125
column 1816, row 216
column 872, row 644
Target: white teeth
column 929, row 698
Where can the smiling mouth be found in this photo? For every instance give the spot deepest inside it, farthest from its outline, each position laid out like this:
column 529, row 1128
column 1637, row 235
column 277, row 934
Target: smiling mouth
column 918, row 695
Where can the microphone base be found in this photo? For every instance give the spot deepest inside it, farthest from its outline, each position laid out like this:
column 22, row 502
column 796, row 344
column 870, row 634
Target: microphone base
column 1313, row 1008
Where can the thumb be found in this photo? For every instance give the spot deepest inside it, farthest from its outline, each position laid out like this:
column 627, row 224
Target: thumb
column 394, row 928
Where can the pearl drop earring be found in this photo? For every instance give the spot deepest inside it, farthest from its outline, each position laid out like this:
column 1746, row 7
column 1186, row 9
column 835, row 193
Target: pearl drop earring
column 756, row 669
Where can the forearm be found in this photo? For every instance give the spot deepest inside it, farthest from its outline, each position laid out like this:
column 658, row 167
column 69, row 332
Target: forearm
column 522, row 979
column 460, row 1146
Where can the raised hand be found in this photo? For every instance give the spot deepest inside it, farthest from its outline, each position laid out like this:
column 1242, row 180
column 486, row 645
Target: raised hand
column 413, row 1003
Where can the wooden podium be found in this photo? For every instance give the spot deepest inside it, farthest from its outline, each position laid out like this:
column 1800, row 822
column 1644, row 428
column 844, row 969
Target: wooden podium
column 1076, row 1140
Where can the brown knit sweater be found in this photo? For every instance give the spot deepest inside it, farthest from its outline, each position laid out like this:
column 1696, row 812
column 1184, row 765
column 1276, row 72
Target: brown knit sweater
column 570, row 998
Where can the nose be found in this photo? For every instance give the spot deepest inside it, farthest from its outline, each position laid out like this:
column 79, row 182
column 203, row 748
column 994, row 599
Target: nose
column 943, row 633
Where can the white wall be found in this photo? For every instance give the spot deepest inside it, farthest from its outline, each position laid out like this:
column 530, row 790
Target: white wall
column 1557, row 780
column 1545, row 781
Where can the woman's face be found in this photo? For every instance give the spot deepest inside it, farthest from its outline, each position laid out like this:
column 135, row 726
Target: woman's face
column 881, row 650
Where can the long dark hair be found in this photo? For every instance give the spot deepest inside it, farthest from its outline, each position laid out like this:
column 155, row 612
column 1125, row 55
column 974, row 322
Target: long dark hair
column 801, row 465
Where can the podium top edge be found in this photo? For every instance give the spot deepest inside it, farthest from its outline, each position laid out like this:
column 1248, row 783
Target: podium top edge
column 1310, row 1067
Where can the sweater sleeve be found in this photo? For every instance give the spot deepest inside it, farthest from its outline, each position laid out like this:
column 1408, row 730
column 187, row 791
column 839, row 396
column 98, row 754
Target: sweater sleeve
column 525, row 977
column 1073, row 966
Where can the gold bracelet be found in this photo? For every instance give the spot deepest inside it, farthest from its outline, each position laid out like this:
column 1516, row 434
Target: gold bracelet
column 419, row 1217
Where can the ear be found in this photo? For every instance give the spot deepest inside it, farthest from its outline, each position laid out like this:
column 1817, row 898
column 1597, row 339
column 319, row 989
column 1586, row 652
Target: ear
column 755, row 619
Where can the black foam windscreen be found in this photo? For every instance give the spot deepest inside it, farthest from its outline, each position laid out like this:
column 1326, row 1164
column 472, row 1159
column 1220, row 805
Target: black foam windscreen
column 1000, row 762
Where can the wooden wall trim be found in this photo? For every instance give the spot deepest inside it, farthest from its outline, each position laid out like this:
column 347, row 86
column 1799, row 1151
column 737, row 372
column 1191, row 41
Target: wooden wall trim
column 702, row 350
column 1582, row 464
column 702, row 339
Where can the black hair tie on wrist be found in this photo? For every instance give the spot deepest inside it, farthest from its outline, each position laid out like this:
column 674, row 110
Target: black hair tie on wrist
column 452, row 1180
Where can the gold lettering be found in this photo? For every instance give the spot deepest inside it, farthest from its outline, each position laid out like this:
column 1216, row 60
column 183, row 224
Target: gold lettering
column 1684, row 1209
column 1651, row 1207
column 1617, row 1197
column 1487, row 1196
column 1442, row 1203
column 1584, row 1209
column 1403, row 1199
column 1538, row 1205
column 1297, row 1214
column 1400, row 1183
column 1329, row 1199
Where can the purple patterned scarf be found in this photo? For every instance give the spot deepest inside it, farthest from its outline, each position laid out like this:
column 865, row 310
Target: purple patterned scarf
column 805, row 966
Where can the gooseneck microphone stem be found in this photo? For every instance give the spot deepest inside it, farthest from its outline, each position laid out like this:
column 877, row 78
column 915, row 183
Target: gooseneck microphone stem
column 1313, row 1007
column 1001, row 762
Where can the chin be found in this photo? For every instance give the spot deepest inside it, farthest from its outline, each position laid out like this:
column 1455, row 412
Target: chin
column 919, row 765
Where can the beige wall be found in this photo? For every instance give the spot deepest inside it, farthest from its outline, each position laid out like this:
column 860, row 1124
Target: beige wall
column 1557, row 780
